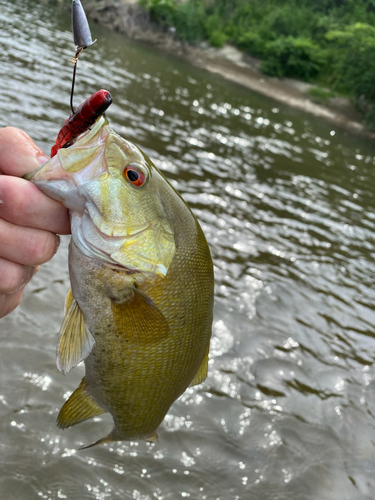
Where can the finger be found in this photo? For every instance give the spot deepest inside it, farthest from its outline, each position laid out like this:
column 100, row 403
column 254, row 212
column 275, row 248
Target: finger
column 9, row 302
column 22, row 203
column 18, row 152
column 25, row 245
column 13, row 276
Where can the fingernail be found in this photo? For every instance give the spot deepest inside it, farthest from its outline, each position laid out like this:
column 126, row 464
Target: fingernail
column 34, row 163
column 58, row 242
column 43, row 159
column 28, row 273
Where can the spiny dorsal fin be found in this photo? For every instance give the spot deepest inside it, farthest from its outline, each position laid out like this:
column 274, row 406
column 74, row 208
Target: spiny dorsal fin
column 140, row 320
column 79, row 407
column 75, row 341
column 201, row 374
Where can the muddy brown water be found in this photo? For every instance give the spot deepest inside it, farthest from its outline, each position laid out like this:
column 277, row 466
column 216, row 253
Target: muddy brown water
column 287, row 204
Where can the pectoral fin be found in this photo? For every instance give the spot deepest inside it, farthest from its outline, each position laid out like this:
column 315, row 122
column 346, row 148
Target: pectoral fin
column 79, row 407
column 201, row 374
column 139, row 319
column 75, row 341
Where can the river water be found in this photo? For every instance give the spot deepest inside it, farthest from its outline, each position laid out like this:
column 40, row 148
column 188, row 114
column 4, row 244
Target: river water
column 287, row 205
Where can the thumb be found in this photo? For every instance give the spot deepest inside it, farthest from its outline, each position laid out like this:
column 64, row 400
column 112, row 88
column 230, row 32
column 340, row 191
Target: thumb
column 18, row 153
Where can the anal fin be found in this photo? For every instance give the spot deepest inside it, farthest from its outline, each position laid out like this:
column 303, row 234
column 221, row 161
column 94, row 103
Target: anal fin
column 75, row 341
column 201, row 374
column 79, row 407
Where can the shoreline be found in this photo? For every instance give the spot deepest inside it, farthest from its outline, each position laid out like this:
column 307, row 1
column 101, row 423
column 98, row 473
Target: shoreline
column 130, row 19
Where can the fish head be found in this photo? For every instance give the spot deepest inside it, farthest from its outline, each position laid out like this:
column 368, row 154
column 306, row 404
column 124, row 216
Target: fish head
column 115, row 197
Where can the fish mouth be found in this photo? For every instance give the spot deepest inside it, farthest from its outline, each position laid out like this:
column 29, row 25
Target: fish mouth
column 111, row 229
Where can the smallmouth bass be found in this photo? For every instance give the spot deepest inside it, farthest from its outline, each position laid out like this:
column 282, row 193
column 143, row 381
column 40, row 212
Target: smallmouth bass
column 139, row 312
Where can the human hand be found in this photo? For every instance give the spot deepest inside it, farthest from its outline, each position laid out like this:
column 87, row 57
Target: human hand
column 29, row 220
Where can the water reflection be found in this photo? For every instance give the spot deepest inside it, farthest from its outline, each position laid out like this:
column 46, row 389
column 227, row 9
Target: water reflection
column 286, row 203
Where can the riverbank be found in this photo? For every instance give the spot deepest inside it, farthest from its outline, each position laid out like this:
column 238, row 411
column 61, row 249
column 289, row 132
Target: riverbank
column 127, row 17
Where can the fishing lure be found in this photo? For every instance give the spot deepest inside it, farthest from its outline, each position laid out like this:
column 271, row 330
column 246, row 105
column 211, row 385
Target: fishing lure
column 82, row 119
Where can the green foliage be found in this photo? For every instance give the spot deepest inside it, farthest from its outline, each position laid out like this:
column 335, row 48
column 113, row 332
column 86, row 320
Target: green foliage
column 214, row 30
column 293, row 57
column 353, row 67
column 217, row 38
column 331, row 42
column 189, row 21
column 252, row 43
column 158, row 4
column 188, row 17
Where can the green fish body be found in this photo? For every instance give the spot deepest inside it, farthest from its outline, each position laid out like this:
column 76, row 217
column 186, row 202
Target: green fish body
column 139, row 312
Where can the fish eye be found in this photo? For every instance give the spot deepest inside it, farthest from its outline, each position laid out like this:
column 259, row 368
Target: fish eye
column 134, row 175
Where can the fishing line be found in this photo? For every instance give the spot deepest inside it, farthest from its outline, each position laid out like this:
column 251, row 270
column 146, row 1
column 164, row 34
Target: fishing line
column 74, row 60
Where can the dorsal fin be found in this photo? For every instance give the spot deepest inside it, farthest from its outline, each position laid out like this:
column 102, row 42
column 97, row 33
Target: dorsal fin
column 75, row 341
column 79, row 407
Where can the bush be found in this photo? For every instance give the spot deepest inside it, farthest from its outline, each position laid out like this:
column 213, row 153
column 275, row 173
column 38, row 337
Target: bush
column 293, row 57
column 188, row 18
column 214, row 30
column 252, row 43
column 352, row 52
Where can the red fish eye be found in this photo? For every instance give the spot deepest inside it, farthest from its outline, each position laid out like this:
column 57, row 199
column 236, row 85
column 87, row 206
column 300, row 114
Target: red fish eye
column 134, row 175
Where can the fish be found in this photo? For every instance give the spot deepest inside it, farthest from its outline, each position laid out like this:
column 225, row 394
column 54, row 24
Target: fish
column 140, row 309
